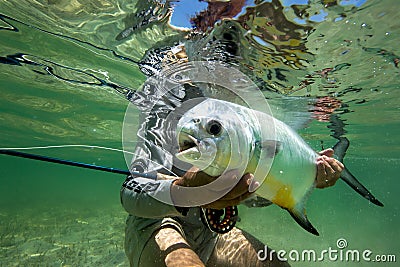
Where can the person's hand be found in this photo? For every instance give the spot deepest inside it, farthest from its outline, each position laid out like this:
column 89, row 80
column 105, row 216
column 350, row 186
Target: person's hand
column 328, row 169
column 194, row 178
column 239, row 192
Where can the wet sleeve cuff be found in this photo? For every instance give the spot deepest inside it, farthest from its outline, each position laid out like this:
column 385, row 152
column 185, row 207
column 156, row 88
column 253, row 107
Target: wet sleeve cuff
column 149, row 198
column 159, row 190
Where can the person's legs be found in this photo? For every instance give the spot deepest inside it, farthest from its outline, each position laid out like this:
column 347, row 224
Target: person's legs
column 167, row 247
column 237, row 248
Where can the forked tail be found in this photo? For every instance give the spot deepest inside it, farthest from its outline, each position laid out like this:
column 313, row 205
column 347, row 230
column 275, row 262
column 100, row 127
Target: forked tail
column 340, row 151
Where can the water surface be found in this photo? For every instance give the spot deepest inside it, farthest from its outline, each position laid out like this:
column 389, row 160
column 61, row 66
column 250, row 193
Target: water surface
column 63, row 74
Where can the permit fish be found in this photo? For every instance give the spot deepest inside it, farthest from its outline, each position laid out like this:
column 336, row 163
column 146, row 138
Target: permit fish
column 218, row 136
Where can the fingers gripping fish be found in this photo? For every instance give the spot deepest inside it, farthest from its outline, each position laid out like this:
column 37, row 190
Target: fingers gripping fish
column 217, row 136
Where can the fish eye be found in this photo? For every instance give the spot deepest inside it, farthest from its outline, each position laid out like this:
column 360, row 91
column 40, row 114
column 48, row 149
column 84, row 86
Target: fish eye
column 214, row 127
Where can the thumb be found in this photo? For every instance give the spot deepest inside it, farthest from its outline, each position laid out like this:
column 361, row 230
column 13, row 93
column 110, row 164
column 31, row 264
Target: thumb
column 327, row 152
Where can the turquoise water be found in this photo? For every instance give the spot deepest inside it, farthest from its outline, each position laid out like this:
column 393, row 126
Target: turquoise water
column 58, row 74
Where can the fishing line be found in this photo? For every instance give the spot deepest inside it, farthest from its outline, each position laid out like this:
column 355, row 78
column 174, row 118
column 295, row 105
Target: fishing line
column 77, row 41
column 11, row 151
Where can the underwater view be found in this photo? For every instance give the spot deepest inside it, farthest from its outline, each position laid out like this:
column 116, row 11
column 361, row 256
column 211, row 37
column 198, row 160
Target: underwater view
column 329, row 68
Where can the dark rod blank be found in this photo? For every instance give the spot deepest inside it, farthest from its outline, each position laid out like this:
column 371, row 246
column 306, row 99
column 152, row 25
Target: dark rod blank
column 72, row 163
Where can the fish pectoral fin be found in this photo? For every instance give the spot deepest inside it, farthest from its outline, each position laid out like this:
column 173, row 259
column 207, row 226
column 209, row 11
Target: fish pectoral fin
column 299, row 215
column 272, row 147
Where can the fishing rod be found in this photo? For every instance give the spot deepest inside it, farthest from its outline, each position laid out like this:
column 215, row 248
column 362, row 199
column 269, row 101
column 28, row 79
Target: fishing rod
column 220, row 224
column 81, row 165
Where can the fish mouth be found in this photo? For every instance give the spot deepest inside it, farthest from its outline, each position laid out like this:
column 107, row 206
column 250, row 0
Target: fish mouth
column 188, row 144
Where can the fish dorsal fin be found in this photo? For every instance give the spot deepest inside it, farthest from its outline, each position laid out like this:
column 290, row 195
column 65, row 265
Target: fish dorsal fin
column 272, row 147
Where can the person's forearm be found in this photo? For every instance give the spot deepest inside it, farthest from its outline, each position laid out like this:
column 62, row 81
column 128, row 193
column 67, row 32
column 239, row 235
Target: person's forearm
column 148, row 198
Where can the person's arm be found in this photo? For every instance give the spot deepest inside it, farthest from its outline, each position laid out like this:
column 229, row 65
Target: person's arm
column 328, row 172
column 141, row 197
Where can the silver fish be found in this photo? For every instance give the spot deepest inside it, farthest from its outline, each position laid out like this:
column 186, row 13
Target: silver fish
column 218, row 136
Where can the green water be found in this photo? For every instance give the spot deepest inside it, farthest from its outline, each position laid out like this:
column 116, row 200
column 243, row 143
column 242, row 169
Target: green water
column 55, row 215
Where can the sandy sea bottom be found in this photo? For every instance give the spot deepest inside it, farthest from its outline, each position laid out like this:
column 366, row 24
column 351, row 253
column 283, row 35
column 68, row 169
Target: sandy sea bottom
column 76, row 219
column 62, row 236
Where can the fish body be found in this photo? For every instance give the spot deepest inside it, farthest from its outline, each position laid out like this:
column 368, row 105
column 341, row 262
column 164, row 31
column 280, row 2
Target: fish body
column 219, row 136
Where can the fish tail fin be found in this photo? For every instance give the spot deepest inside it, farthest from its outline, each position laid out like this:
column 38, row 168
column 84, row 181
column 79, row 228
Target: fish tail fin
column 341, row 147
column 299, row 215
column 358, row 187
column 340, row 151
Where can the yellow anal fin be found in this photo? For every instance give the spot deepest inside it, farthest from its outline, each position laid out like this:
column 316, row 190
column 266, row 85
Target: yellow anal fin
column 284, row 197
